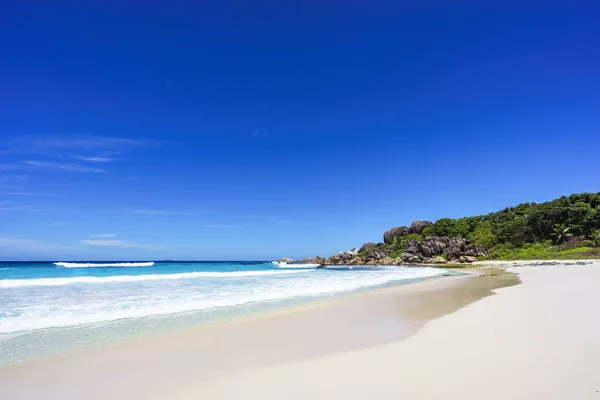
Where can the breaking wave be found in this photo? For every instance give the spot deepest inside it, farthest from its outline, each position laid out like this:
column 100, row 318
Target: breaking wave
column 288, row 265
column 98, row 265
column 16, row 283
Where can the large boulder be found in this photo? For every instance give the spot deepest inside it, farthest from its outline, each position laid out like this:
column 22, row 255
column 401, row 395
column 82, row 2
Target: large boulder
column 455, row 248
column 335, row 259
column 356, row 261
column 405, row 256
column 346, row 256
column 353, row 252
column 438, row 260
column 410, row 258
column 418, row 226
column 413, row 247
column 434, row 245
column 414, row 259
column 367, row 246
column 397, row 261
column 380, row 253
column 386, row 261
column 475, row 251
column 388, row 236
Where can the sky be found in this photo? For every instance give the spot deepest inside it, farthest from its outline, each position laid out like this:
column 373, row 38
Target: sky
column 252, row 131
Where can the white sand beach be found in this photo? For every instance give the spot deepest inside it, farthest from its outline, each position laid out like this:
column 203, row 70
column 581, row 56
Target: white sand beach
column 538, row 340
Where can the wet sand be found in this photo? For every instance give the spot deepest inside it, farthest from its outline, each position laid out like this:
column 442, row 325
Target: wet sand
column 186, row 363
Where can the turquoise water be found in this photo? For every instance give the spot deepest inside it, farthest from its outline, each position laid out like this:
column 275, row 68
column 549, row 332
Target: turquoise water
column 52, row 307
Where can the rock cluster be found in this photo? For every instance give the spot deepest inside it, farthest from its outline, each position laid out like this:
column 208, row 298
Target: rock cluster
column 367, row 246
column 388, row 236
column 344, row 257
column 432, row 250
column 416, row 227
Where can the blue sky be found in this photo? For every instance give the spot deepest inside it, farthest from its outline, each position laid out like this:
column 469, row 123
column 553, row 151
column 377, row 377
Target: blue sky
column 223, row 131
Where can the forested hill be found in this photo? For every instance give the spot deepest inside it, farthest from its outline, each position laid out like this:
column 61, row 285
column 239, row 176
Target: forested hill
column 570, row 221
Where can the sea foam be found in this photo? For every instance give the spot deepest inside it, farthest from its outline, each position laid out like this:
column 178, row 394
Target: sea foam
column 16, row 283
column 146, row 295
column 102, row 265
column 288, row 265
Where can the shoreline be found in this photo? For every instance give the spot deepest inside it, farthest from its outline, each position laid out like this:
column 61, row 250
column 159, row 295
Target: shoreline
column 524, row 323
column 175, row 360
column 535, row 340
column 37, row 345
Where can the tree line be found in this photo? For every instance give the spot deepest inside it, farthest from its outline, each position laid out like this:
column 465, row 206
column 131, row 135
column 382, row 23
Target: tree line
column 568, row 219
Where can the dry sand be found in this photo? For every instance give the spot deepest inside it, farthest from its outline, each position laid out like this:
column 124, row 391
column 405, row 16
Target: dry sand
column 538, row 340
column 440, row 339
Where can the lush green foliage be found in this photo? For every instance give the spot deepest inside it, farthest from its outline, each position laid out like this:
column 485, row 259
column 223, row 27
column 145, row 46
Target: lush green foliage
column 483, row 235
column 568, row 227
column 532, row 230
column 401, row 242
column 578, row 214
column 542, row 251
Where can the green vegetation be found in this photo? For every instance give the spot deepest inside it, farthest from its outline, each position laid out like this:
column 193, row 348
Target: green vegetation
column 543, row 251
column 568, row 227
column 400, row 242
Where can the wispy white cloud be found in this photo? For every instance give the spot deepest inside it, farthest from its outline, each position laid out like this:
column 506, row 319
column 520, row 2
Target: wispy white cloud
column 97, row 159
column 58, row 151
column 18, row 194
column 158, row 212
column 77, row 141
column 103, row 235
column 114, row 243
column 61, row 166
column 171, row 83
column 218, row 226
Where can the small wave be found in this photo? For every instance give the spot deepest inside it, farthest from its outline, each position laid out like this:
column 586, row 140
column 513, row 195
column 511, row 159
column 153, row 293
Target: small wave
column 15, row 283
column 94, row 265
column 288, row 265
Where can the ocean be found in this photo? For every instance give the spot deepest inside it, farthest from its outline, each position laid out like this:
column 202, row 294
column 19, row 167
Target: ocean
column 52, row 307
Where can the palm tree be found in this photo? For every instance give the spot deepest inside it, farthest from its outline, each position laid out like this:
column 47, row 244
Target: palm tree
column 561, row 231
column 595, row 234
